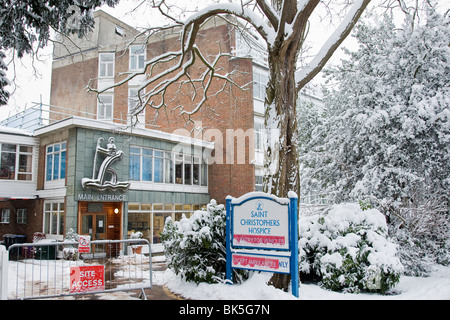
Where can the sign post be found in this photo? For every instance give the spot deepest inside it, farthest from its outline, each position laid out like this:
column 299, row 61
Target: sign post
column 262, row 235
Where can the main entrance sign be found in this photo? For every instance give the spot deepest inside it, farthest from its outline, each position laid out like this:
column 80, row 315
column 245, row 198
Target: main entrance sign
column 262, row 234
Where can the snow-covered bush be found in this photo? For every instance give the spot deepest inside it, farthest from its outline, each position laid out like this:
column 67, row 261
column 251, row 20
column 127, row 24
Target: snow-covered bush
column 346, row 249
column 422, row 231
column 70, row 252
column 196, row 248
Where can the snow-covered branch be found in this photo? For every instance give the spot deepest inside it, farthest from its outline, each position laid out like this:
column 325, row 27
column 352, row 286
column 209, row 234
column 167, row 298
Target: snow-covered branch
column 334, row 41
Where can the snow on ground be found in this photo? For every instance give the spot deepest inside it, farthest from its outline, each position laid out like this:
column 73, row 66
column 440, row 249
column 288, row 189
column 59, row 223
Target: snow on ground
column 435, row 287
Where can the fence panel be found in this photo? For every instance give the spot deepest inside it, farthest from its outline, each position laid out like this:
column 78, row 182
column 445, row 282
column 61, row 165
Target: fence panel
column 55, row 269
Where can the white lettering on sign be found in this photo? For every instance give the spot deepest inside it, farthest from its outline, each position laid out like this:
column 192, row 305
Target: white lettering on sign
column 261, row 223
column 87, row 279
column 102, row 197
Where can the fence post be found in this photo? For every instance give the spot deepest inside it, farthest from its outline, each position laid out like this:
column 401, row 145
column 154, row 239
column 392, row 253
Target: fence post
column 3, row 273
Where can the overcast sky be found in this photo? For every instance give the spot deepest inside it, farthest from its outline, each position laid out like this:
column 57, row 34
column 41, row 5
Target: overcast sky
column 33, row 84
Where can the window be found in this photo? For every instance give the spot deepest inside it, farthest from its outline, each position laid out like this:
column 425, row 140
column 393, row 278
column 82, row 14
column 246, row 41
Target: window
column 105, row 107
column 187, row 169
column 56, row 161
column 25, row 163
column 150, row 218
column 196, row 171
column 106, row 65
column 147, row 164
column 137, row 57
column 21, row 216
column 258, row 183
column 159, row 166
column 54, row 218
column 166, row 167
column 259, row 130
column 8, row 161
column 133, row 100
column 259, row 85
column 178, row 169
column 5, row 215
column 204, row 175
column 135, row 164
column 16, row 162
column 133, row 103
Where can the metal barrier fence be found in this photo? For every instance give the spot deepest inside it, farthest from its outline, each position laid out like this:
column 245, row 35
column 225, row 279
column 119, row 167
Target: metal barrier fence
column 58, row 269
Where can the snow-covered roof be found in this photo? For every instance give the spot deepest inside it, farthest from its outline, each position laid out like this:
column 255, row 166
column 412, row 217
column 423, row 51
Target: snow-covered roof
column 15, row 131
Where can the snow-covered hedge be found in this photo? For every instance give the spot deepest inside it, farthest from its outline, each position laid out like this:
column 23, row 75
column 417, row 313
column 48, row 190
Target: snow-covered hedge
column 196, row 248
column 347, row 249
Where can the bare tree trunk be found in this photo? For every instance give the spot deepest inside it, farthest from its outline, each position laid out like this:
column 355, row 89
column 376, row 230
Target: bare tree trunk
column 282, row 160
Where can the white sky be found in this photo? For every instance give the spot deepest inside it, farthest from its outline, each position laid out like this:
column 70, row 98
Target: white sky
column 32, row 86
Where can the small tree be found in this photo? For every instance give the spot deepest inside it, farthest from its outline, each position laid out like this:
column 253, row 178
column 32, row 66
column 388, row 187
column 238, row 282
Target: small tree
column 195, row 247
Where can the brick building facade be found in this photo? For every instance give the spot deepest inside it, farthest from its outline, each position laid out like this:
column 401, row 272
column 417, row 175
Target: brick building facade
column 86, row 132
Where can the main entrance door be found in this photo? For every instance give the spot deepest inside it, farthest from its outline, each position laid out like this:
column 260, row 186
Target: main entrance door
column 94, row 224
column 101, row 221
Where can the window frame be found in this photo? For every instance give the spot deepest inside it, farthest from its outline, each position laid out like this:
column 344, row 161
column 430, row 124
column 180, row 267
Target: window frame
column 260, row 81
column 61, row 163
column 104, row 106
column 168, row 161
column 109, row 65
column 21, row 216
column 137, row 57
column 16, row 174
column 5, row 216
column 48, row 216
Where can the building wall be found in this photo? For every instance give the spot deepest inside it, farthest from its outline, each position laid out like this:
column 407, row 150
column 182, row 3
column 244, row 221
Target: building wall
column 33, row 218
column 231, row 109
column 81, row 152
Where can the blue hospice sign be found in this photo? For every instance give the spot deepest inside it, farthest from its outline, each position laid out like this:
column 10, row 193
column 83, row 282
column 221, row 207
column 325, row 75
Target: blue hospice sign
column 262, row 235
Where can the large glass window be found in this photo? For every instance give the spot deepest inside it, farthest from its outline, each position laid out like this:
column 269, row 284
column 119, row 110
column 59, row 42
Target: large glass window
column 54, row 218
column 16, row 162
column 150, row 218
column 56, row 161
column 166, row 167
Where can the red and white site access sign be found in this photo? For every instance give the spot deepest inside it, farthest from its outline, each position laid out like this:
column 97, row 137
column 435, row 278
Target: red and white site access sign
column 87, row 279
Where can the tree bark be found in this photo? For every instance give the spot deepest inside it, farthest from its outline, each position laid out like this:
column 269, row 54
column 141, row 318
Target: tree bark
column 282, row 159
